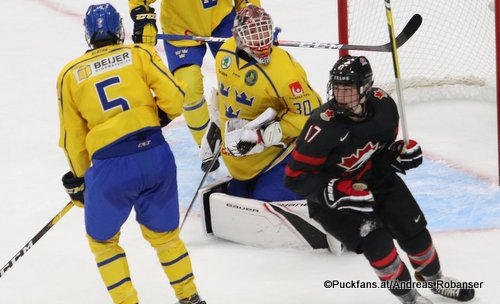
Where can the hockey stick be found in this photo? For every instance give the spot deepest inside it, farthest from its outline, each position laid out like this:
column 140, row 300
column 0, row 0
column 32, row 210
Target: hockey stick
column 395, row 61
column 212, row 163
column 408, row 31
column 35, row 239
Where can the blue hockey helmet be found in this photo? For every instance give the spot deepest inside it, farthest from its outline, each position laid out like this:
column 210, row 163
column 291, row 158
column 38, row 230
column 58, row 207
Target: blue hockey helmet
column 103, row 23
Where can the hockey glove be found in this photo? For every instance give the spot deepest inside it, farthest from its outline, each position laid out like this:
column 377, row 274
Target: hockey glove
column 75, row 187
column 277, row 30
column 405, row 158
column 210, row 147
column 241, row 141
column 145, row 29
column 344, row 194
column 163, row 118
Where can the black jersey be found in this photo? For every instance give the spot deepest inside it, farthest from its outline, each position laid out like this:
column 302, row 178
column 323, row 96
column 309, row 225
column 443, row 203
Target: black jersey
column 332, row 146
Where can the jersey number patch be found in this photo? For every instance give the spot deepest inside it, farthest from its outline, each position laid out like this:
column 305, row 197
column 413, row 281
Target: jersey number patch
column 312, row 132
column 208, row 3
column 304, row 108
column 103, row 98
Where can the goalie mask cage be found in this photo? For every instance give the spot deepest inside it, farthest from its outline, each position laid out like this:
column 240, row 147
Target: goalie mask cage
column 451, row 56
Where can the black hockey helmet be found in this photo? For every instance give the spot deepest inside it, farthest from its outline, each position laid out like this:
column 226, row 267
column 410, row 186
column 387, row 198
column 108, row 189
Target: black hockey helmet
column 350, row 70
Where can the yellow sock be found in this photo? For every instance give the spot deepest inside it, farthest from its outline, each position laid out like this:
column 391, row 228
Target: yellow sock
column 113, row 267
column 174, row 259
column 195, row 106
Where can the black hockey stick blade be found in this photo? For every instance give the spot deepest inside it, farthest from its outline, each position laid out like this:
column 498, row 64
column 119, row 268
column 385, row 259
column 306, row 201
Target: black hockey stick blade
column 411, row 28
column 408, row 31
column 35, row 239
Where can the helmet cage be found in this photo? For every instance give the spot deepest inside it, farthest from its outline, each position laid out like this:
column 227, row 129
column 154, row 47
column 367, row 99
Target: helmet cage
column 348, row 71
column 253, row 31
column 103, row 23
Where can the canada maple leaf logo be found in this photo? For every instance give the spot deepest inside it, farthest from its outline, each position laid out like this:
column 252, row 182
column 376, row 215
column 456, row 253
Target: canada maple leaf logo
column 327, row 114
column 358, row 158
column 380, row 94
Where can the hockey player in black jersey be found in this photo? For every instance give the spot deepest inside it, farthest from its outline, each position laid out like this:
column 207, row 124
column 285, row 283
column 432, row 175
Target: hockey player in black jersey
column 345, row 164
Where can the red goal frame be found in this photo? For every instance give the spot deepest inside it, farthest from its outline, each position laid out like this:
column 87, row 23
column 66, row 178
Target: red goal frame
column 343, row 26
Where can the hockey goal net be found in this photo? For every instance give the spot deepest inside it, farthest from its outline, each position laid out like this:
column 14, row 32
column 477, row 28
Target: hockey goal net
column 454, row 48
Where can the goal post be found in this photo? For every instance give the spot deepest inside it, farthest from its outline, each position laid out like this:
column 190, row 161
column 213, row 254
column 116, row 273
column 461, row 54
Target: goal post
column 451, row 56
column 496, row 9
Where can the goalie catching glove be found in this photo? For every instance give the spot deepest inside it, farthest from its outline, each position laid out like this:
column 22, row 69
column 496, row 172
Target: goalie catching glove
column 240, row 140
column 75, row 187
column 345, row 194
column 145, row 28
column 405, row 157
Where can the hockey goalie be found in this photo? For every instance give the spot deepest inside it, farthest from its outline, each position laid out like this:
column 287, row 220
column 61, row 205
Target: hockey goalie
column 262, row 108
column 234, row 216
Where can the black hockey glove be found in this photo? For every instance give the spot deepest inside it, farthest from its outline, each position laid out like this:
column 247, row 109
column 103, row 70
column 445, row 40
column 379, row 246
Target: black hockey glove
column 163, row 118
column 210, row 147
column 344, row 194
column 145, row 29
column 405, row 158
column 75, row 187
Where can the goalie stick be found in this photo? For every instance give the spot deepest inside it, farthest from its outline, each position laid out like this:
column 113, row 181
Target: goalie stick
column 268, row 115
column 408, row 31
column 212, row 163
column 35, row 239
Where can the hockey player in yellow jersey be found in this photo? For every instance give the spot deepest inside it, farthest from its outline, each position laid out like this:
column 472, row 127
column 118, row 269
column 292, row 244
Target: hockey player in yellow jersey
column 119, row 160
column 187, row 17
column 253, row 75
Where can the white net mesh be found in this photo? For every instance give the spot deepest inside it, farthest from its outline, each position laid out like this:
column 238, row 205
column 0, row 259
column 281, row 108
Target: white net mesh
column 455, row 45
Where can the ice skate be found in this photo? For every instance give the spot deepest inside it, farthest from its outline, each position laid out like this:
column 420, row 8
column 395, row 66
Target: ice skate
column 194, row 299
column 413, row 297
column 441, row 288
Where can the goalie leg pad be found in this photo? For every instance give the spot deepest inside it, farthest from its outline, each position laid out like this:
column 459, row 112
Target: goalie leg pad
column 257, row 223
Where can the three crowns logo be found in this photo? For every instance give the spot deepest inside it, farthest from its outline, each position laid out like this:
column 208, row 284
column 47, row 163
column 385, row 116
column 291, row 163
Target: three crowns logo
column 181, row 53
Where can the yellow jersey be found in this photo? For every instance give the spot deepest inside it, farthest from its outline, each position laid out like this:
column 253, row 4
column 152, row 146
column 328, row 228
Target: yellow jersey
column 246, row 89
column 193, row 17
column 106, row 94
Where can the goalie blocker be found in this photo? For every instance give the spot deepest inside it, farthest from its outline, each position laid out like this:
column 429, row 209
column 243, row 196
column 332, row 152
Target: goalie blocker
column 261, row 224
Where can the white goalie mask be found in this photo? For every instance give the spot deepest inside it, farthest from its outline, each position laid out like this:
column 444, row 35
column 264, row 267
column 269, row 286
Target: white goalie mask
column 253, row 31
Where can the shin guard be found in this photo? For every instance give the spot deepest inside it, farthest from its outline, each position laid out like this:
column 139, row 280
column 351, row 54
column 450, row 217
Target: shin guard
column 174, row 259
column 378, row 248
column 113, row 267
column 195, row 106
column 390, row 268
column 422, row 254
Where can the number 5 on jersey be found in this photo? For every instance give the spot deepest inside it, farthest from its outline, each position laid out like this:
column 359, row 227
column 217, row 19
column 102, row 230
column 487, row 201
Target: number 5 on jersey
column 103, row 98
